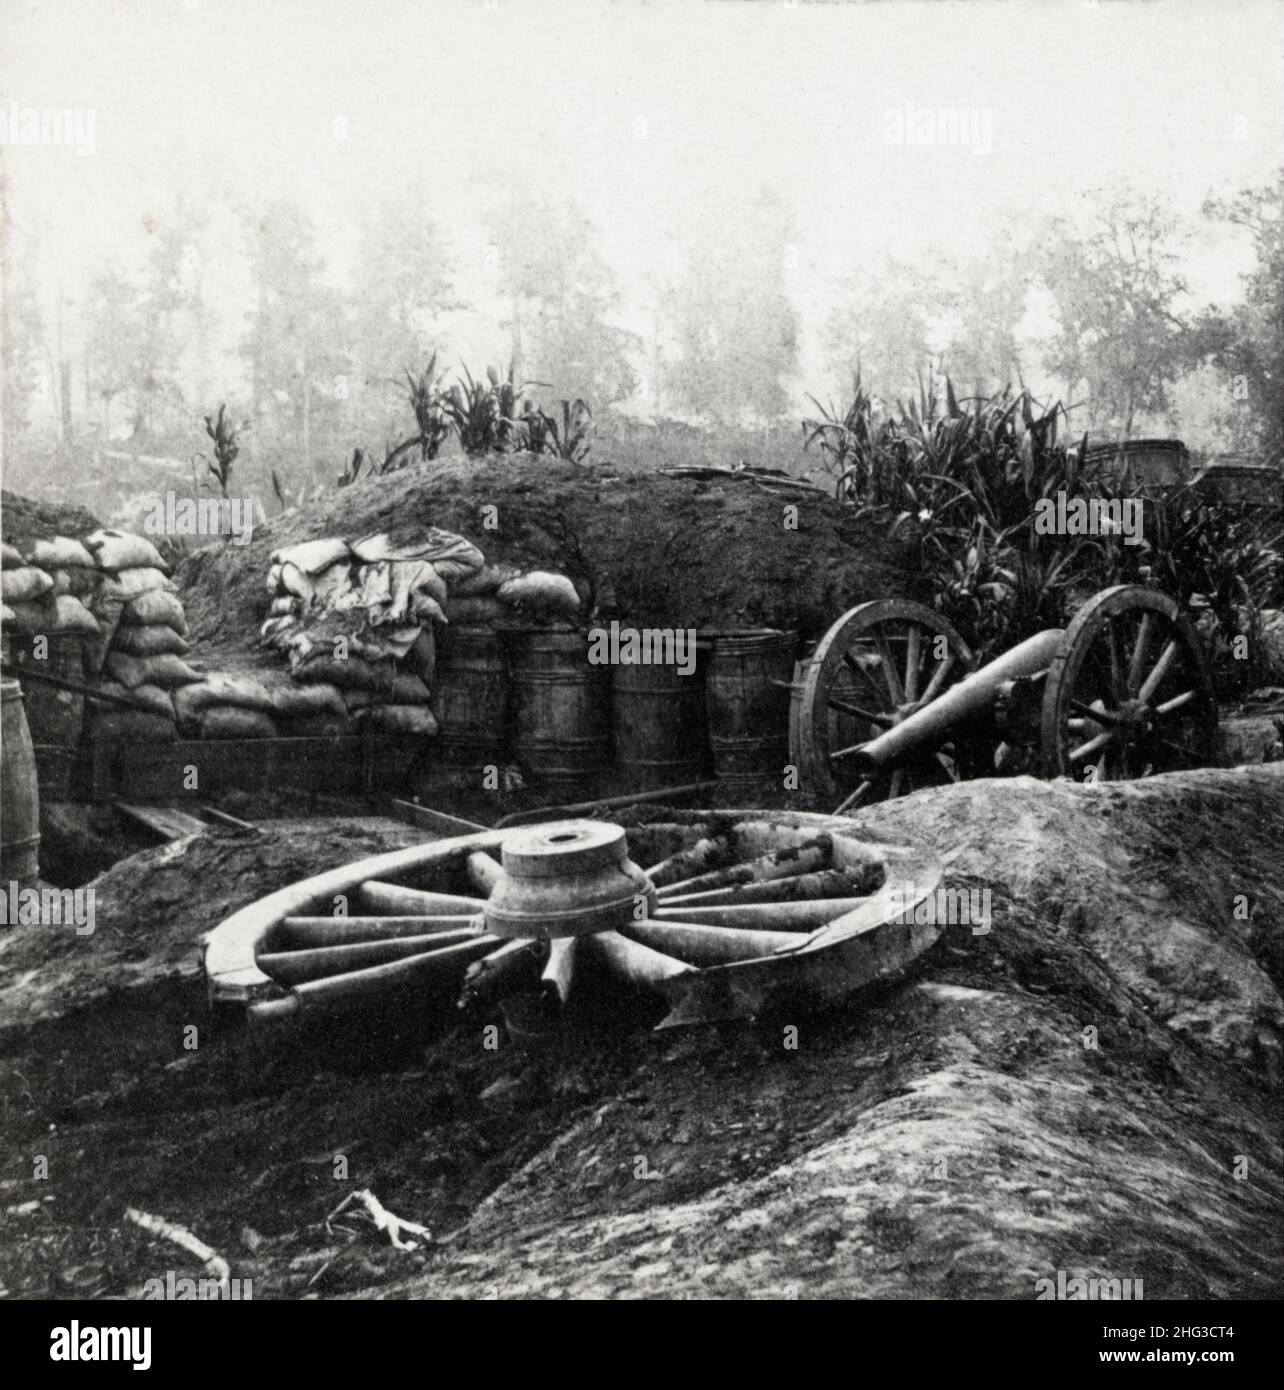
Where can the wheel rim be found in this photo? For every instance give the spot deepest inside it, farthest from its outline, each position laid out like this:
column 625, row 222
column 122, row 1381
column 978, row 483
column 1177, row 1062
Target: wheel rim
column 879, row 663
column 1130, row 693
column 741, row 910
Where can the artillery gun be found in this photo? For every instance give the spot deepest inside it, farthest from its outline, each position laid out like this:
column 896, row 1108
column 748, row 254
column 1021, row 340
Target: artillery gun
column 892, row 700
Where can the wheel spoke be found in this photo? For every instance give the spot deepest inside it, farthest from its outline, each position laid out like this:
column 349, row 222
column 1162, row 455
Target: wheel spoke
column 1177, row 702
column 1102, row 716
column 1118, row 689
column 1154, row 679
column 911, row 663
column 938, row 679
column 854, row 799
column 1086, row 749
column 884, row 721
column 1138, row 661
column 894, row 687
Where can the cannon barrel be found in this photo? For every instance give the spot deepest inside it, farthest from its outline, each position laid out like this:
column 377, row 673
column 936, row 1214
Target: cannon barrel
column 970, row 700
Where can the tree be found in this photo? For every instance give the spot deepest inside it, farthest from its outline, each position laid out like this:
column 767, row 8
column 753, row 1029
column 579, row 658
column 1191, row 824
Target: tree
column 299, row 367
column 118, row 354
column 880, row 331
column 986, row 302
column 403, row 287
column 1247, row 341
column 732, row 319
column 564, row 299
column 1117, row 293
column 21, row 336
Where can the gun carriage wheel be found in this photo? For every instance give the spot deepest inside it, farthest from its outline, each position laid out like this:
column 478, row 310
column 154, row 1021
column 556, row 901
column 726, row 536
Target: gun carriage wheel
column 1130, row 692
column 880, row 663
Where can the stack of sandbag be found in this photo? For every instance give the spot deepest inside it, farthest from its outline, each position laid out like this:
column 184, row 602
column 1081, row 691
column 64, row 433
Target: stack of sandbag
column 225, row 705
column 38, row 599
column 359, row 618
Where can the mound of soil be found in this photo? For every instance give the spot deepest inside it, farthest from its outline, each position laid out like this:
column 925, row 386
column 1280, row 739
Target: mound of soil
column 23, row 520
column 652, row 550
column 1092, row 1086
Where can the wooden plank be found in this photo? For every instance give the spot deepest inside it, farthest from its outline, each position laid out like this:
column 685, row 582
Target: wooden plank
column 165, row 821
column 426, row 818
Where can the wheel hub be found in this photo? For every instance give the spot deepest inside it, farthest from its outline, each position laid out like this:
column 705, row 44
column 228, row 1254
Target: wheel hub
column 568, row 878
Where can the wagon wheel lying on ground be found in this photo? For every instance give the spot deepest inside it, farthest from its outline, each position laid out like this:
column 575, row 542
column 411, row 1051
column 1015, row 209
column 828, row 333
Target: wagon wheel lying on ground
column 738, row 913
column 879, row 663
column 1130, row 692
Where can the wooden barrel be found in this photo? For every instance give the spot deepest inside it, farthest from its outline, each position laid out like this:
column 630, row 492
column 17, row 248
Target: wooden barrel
column 658, row 725
column 750, row 676
column 19, row 797
column 55, row 718
column 561, row 707
column 470, row 697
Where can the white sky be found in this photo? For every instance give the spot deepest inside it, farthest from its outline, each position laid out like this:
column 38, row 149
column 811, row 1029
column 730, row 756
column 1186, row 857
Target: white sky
column 1178, row 99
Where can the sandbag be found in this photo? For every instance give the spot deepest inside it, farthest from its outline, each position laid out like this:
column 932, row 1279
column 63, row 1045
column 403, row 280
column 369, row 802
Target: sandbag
column 60, row 552
column 350, row 673
column 311, row 557
column 122, row 550
column 128, row 584
column 8, row 618
column 423, row 607
column 421, row 659
column 541, row 592
column 23, row 585
column 484, row 581
column 481, row 608
column 408, row 690
column 132, row 671
column 31, row 618
column 314, row 726
column 107, row 614
column 300, row 701
column 233, row 721
column 283, row 606
column 130, row 726
column 222, row 688
column 149, row 698
column 74, row 579
column 155, row 640
column 72, row 616
column 155, row 606
column 10, row 559
column 397, row 719
column 354, row 700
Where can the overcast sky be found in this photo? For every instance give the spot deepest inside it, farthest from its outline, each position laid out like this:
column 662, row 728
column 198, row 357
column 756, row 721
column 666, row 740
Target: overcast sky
column 662, row 119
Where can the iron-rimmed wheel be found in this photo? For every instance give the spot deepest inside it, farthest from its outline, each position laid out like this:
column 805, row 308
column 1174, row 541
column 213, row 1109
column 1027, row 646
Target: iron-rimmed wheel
column 1130, row 692
column 880, row 662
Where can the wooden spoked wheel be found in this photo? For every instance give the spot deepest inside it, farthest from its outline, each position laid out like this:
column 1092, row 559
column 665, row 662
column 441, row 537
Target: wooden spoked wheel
column 879, row 663
column 742, row 912
column 1130, row 692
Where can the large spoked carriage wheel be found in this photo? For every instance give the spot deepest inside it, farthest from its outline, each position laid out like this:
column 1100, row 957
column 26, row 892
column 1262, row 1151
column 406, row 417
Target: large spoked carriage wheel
column 878, row 664
column 733, row 915
column 1130, row 691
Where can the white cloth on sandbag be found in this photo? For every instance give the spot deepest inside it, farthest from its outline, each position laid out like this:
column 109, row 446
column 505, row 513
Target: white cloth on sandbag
column 123, row 550
column 311, row 557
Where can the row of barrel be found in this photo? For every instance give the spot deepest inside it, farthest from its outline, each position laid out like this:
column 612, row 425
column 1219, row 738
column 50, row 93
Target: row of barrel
column 534, row 697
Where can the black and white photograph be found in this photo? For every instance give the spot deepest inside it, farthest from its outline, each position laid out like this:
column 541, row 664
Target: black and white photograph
column 643, row 659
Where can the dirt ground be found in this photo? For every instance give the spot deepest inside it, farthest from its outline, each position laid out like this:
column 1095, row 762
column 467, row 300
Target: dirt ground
column 639, row 546
column 954, row 1134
